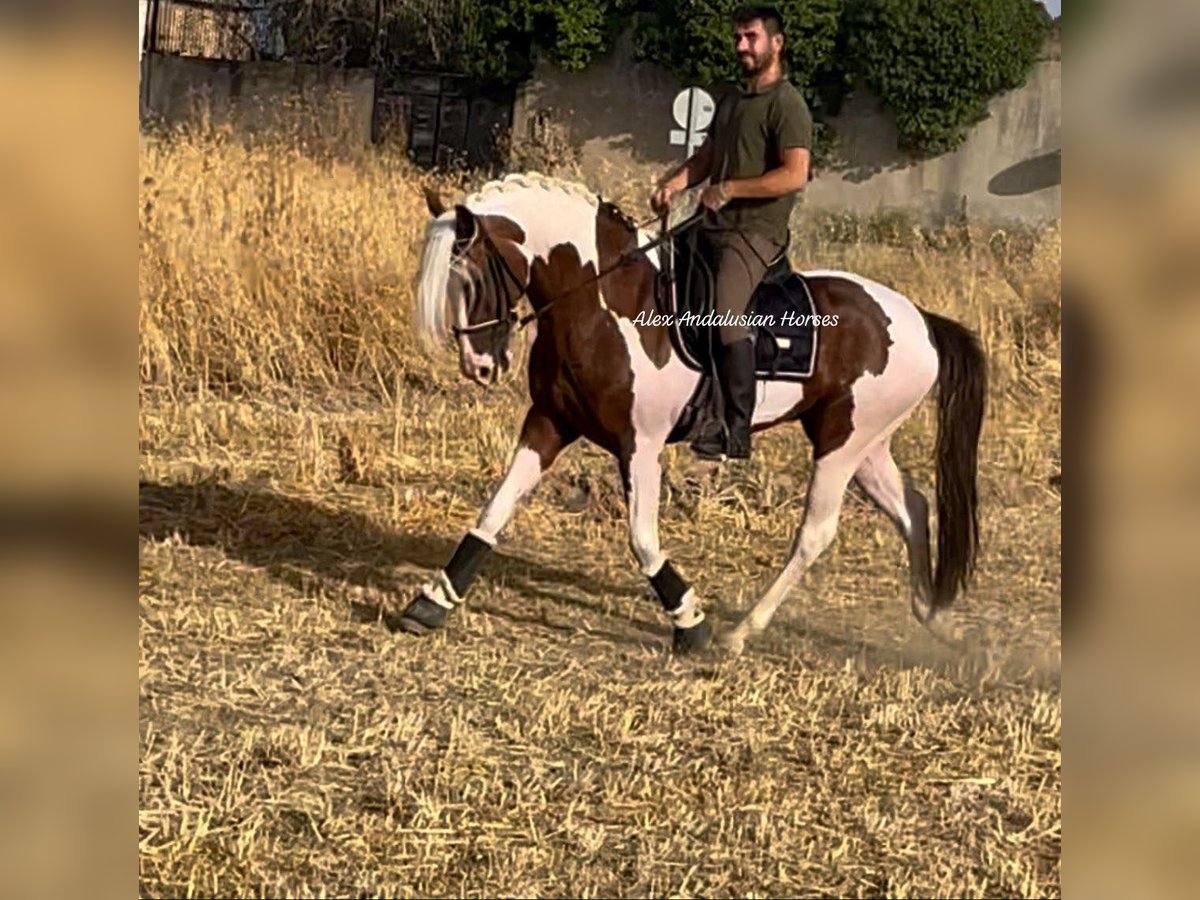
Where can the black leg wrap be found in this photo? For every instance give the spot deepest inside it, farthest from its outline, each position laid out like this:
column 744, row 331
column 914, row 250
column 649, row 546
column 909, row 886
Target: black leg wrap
column 669, row 586
column 671, row 589
column 465, row 563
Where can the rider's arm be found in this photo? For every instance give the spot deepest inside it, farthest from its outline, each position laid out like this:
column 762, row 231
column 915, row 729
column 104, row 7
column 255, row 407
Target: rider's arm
column 693, row 170
column 791, row 176
column 791, row 126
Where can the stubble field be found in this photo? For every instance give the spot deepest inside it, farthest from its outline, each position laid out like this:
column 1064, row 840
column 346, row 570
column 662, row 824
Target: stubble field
column 303, row 467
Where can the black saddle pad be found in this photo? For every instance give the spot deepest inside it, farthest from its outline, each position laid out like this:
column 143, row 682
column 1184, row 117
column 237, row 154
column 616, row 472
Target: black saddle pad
column 781, row 310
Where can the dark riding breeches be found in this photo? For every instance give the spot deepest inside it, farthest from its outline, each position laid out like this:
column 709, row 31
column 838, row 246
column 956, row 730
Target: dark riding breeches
column 739, row 261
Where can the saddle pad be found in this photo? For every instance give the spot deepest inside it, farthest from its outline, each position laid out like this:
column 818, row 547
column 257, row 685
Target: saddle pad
column 786, row 344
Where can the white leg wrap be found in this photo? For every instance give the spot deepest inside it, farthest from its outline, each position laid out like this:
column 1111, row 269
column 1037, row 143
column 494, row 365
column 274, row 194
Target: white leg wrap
column 441, row 591
column 689, row 614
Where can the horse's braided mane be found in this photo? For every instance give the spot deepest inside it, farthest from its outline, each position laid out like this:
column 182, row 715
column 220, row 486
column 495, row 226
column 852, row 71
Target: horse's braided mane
column 610, row 208
column 526, row 180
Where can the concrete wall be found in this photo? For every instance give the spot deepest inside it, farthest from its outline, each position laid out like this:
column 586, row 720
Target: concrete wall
column 617, row 114
column 323, row 104
column 1008, row 169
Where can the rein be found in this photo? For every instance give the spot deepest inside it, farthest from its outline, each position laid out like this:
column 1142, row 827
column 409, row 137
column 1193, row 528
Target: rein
column 510, row 316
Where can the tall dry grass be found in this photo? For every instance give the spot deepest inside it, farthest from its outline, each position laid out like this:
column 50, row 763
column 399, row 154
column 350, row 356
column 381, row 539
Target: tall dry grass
column 303, row 467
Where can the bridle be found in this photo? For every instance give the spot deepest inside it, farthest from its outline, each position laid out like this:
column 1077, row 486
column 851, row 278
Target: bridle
column 506, row 306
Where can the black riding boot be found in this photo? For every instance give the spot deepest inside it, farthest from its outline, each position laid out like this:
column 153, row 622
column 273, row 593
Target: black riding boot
column 737, row 372
column 728, row 437
column 710, row 444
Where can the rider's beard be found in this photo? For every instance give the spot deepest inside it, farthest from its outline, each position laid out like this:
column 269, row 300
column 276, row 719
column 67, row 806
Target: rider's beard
column 753, row 65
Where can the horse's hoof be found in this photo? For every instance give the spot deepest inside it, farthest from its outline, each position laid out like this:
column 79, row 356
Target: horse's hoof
column 423, row 616
column 922, row 609
column 942, row 628
column 732, row 642
column 690, row 640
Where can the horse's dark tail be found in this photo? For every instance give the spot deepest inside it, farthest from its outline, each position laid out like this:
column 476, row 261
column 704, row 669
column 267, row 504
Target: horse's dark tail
column 962, row 392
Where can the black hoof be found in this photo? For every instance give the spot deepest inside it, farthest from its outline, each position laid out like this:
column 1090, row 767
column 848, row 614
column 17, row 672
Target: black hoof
column 690, row 640
column 423, row 616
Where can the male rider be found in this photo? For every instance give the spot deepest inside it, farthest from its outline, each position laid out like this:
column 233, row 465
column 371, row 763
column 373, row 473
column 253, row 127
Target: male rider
column 756, row 157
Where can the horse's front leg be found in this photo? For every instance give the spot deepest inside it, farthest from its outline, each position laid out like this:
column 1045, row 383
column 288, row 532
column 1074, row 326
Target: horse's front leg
column 541, row 440
column 641, row 474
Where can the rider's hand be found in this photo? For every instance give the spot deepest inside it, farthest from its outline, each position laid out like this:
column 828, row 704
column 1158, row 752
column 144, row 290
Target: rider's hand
column 662, row 198
column 715, row 196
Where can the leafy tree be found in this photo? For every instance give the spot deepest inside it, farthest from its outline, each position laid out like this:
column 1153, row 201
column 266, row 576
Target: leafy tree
column 937, row 63
column 695, row 37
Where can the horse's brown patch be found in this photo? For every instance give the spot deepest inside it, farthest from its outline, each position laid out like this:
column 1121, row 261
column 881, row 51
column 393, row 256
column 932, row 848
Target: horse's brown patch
column 579, row 368
column 507, row 236
column 502, row 228
column 856, row 346
column 545, row 434
column 629, row 289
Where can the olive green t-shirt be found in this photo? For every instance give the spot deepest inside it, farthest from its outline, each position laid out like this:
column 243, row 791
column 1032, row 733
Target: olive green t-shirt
column 750, row 131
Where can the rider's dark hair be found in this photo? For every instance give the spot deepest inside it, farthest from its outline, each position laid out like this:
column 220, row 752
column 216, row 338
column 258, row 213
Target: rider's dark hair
column 771, row 17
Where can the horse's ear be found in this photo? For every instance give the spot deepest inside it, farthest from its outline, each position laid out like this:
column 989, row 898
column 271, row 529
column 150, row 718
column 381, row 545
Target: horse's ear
column 434, row 202
column 465, row 224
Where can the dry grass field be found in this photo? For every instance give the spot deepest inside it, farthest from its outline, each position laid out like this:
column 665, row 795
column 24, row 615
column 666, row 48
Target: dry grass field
column 303, row 467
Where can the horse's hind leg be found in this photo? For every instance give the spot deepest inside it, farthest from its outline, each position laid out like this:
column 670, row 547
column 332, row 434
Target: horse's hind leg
column 540, row 443
column 831, row 476
column 641, row 474
column 908, row 509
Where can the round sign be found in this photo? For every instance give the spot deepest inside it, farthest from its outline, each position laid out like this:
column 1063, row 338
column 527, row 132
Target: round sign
column 702, row 109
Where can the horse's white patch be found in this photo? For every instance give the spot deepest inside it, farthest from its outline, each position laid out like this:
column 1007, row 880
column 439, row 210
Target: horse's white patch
column 689, row 614
column 441, row 591
column 912, row 362
column 659, row 395
column 776, row 398
column 524, row 472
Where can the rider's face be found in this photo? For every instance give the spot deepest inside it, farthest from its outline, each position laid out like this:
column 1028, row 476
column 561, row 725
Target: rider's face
column 755, row 49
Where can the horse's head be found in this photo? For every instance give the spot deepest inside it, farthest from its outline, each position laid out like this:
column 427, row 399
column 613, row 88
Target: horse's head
column 477, row 298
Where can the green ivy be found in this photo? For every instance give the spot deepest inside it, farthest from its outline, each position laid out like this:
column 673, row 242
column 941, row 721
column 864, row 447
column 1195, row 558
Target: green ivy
column 694, row 38
column 937, row 63
column 571, row 33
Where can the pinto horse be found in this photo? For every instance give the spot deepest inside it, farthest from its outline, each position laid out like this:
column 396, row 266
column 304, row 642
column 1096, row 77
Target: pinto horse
column 596, row 373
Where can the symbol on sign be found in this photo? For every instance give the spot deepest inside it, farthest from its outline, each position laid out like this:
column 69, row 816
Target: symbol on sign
column 693, row 111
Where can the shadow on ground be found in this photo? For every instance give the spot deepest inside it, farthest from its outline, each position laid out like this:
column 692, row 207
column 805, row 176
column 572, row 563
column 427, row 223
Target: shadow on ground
column 314, row 547
column 307, row 545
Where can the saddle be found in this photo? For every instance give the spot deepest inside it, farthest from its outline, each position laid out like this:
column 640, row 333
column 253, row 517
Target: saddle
column 785, row 338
